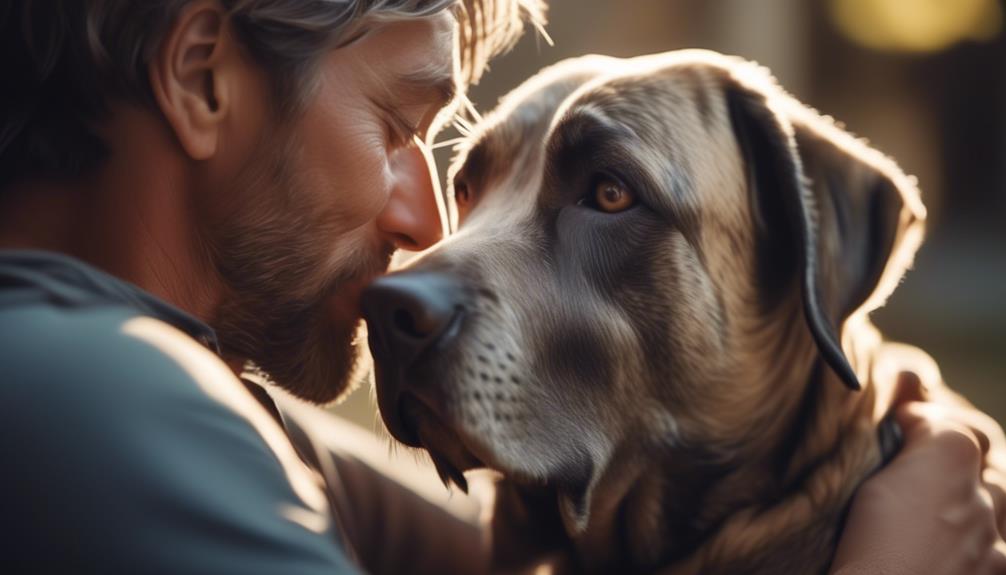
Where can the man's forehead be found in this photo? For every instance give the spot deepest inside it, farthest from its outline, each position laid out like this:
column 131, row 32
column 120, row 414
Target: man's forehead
column 421, row 58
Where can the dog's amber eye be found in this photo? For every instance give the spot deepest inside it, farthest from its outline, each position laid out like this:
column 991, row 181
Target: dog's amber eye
column 612, row 197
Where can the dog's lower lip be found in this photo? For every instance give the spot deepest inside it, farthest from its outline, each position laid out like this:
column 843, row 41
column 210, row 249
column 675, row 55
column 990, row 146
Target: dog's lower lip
column 409, row 424
column 451, row 456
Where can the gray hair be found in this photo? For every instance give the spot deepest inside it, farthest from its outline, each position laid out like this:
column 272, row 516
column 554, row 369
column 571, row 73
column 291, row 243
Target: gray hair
column 69, row 58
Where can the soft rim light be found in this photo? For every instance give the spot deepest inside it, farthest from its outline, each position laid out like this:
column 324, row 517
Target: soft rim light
column 916, row 25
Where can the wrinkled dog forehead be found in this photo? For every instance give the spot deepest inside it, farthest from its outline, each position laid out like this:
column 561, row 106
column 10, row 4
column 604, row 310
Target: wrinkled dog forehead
column 662, row 118
column 504, row 152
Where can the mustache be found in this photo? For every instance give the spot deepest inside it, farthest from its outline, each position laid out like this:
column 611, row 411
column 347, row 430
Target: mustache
column 361, row 264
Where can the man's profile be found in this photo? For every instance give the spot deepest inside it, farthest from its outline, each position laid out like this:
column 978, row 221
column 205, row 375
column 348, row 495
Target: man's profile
column 246, row 165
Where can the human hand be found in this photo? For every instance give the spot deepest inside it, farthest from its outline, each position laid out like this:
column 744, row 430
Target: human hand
column 940, row 506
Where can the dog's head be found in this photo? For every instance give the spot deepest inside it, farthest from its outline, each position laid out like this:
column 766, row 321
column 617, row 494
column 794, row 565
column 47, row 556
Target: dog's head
column 652, row 256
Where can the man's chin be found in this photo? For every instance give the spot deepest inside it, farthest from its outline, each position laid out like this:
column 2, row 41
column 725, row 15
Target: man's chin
column 325, row 371
column 306, row 345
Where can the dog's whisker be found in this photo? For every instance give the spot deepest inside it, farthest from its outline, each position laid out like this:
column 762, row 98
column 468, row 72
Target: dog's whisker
column 470, row 108
column 447, row 143
column 462, row 125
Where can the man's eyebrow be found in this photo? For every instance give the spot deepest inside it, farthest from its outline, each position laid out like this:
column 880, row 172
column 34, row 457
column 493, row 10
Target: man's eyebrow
column 418, row 84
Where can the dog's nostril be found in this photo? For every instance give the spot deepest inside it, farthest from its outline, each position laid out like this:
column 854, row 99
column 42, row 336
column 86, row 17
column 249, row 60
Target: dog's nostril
column 411, row 312
column 405, row 323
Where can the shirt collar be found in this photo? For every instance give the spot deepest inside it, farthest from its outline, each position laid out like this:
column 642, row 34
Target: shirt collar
column 66, row 281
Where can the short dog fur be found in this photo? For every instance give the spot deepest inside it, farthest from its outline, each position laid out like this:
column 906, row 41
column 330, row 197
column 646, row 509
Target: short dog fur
column 691, row 384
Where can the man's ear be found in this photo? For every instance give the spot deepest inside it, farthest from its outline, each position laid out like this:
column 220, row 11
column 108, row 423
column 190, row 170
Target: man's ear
column 189, row 77
column 825, row 206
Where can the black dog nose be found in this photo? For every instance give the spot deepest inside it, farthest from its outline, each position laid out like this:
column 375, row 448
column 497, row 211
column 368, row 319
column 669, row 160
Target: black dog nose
column 411, row 311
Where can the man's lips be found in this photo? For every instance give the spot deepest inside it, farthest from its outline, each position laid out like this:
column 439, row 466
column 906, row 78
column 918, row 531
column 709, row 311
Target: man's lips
column 344, row 303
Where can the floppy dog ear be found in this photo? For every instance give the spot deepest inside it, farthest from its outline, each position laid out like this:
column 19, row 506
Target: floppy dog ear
column 825, row 206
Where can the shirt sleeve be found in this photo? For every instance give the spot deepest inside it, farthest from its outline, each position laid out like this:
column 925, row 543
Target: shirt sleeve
column 116, row 461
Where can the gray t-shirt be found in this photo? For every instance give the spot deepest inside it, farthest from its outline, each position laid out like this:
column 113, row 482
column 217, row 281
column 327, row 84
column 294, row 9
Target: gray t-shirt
column 117, row 459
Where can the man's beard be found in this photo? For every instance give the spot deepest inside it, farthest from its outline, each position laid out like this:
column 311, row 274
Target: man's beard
column 276, row 256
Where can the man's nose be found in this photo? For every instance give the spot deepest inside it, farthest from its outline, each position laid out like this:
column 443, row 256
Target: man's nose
column 411, row 312
column 411, row 218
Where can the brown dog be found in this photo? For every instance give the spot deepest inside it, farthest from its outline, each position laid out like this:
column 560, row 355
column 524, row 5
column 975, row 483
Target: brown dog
column 652, row 319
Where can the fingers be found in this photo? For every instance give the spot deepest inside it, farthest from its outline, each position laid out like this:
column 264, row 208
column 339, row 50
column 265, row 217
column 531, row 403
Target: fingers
column 995, row 482
column 934, row 426
column 927, row 419
column 991, row 560
column 985, row 426
column 995, row 561
column 962, row 438
column 908, row 387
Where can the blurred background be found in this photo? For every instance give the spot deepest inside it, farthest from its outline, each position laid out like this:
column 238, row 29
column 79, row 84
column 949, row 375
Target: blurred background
column 922, row 80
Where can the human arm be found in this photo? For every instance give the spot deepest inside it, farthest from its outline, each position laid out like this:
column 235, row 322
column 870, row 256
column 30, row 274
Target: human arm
column 395, row 510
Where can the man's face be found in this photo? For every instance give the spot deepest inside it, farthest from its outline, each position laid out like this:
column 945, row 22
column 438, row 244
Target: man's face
column 325, row 198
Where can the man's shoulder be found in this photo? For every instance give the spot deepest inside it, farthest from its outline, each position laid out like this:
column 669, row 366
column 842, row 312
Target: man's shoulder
column 95, row 377
column 136, row 446
column 112, row 374
column 56, row 351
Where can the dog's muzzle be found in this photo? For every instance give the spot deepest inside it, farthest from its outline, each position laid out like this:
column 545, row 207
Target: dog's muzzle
column 410, row 316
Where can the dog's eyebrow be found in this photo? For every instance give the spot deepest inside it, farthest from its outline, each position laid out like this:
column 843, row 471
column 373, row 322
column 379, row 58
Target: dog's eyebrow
column 589, row 122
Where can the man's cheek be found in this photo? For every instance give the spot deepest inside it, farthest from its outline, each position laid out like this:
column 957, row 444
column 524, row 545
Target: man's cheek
column 359, row 188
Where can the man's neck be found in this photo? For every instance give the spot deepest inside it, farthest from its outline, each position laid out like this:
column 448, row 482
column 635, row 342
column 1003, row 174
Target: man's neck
column 133, row 217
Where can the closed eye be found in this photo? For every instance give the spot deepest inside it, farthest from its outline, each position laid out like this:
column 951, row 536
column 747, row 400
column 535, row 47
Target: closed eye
column 402, row 133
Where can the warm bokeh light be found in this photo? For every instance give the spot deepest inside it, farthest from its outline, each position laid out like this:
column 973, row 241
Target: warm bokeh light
column 917, row 25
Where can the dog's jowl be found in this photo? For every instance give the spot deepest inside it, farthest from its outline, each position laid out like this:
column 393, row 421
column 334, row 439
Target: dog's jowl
column 652, row 319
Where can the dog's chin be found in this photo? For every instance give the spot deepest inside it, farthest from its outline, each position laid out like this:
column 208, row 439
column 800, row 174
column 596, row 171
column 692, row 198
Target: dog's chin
column 454, row 452
column 450, row 454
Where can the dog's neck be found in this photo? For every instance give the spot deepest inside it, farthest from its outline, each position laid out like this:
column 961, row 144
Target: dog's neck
column 685, row 507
